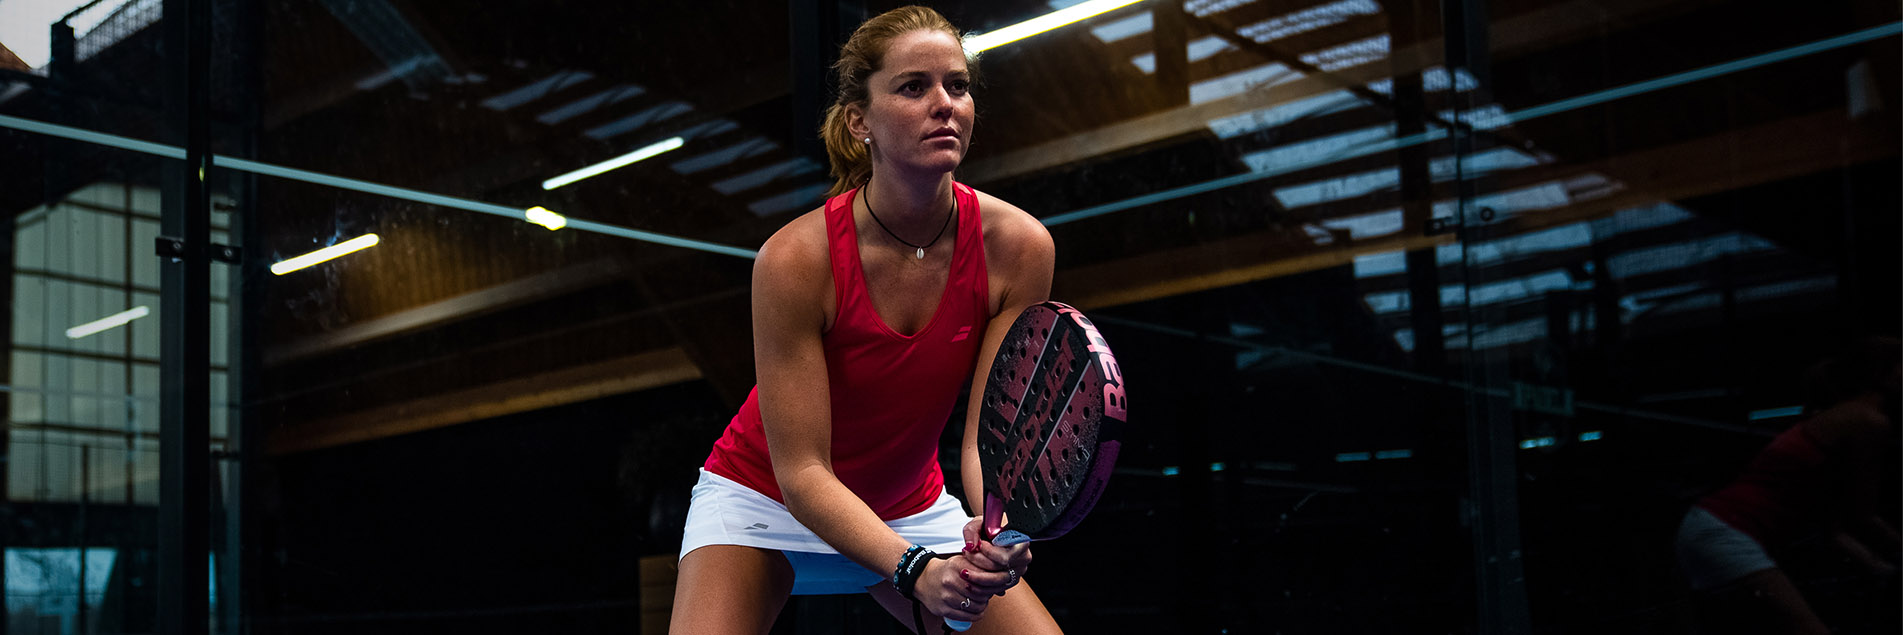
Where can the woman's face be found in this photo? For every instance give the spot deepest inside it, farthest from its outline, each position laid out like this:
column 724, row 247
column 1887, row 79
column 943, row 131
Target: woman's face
column 919, row 111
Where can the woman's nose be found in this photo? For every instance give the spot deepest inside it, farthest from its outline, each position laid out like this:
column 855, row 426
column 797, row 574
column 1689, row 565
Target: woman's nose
column 941, row 103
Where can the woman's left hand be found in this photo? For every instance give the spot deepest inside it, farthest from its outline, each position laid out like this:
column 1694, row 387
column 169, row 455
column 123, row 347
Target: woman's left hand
column 1012, row 561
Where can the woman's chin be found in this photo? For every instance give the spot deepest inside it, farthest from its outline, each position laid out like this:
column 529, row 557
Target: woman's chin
column 923, row 170
column 936, row 164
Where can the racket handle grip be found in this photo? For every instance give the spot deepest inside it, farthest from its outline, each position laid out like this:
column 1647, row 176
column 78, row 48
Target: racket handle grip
column 1009, row 537
column 1004, row 538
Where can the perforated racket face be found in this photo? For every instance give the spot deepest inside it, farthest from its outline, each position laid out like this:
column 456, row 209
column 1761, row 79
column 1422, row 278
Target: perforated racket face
column 1053, row 407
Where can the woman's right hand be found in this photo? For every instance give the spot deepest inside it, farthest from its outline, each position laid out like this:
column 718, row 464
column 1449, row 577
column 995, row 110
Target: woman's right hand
column 1013, row 560
column 957, row 589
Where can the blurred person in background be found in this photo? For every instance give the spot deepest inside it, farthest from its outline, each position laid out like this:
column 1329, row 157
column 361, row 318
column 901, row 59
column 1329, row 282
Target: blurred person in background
column 1819, row 480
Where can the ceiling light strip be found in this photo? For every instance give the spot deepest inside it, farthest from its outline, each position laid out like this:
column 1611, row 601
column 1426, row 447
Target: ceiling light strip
column 326, row 254
column 1574, row 103
column 1055, row 19
column 547, row 218
column 255, row 167
column 109, row 322
column 617, row 162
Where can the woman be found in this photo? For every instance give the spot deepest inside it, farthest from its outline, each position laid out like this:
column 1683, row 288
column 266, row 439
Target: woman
column 1818, row 479
column 869, row 313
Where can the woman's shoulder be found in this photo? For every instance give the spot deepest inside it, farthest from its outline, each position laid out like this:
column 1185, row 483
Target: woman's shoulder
column 1849, row 427
column 797, row 250
column 1009, row 226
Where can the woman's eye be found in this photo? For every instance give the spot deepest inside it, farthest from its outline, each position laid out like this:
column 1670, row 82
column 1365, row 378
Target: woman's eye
column 911, row 87
column 960, row 86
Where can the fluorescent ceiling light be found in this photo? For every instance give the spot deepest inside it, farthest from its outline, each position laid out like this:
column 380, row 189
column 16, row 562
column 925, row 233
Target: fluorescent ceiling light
column 106, row 323
column 542, row 216
column 1081, row 11
column 611, row 164
column 1776, row 413
column 361, row 242
column 367, row 187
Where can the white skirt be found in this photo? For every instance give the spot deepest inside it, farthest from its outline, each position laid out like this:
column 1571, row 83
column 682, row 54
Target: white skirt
column 724, row 512
column 1713, row 553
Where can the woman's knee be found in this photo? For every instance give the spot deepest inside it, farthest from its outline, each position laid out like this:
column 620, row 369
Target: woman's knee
column 1017, row 611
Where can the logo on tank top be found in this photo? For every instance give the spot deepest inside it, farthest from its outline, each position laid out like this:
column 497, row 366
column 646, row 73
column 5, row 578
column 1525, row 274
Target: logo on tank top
column 963, row 333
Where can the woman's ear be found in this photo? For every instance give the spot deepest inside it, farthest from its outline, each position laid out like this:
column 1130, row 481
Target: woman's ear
column 856, row 122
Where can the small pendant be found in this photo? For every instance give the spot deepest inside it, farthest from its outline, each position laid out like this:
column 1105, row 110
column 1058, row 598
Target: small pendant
column 921, row 253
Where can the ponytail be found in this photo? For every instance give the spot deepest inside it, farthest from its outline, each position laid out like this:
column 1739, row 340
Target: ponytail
column 851, row 159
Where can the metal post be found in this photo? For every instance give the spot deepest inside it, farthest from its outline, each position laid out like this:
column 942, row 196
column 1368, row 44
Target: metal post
column 244, row 440
column 1417, row 207
column 7, row 229
column 85, row 504
column 1198, row 591
column 63, row 56
column 1492, row 469
column 184, row 432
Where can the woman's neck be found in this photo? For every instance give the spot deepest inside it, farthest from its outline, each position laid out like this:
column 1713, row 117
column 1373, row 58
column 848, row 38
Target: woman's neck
column 914, row 208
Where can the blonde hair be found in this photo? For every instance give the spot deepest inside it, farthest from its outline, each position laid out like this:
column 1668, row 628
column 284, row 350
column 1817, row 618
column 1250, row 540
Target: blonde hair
column 864, row 53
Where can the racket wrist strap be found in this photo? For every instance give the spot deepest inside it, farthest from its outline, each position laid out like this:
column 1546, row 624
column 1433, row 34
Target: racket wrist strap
column 905, row 576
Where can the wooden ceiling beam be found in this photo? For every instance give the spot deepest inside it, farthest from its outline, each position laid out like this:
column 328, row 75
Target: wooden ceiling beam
column 1542, row 28
column 1732, row 160
column 518, row 292
column 522, row 394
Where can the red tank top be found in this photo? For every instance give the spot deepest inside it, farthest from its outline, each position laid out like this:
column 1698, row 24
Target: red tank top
column 1786, row 490
column 891, row 393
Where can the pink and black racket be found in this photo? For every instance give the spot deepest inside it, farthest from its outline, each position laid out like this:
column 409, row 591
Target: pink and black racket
column 1048, row 427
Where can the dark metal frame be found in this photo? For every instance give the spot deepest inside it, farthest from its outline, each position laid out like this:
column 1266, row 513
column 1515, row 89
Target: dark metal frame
column 185, row 307
column 1492, row 500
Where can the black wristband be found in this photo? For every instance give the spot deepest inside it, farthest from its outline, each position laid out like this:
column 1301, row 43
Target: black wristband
column 905, row 577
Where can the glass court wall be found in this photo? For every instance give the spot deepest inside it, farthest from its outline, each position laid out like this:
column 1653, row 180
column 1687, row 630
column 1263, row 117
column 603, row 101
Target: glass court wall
column 1438, row 316
column 92, row 357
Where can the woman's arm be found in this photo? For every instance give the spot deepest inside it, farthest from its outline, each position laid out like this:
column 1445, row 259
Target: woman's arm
column 1881, row 537
column 1860, row 554
column 1020, row 259
column 1855, row 435
column 791, row 284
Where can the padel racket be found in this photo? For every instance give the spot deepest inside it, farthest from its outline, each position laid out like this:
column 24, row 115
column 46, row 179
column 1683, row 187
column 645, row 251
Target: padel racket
column 1048, row 427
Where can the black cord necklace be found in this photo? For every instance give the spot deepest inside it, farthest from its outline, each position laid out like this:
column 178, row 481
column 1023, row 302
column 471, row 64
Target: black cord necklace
column 920, row 253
